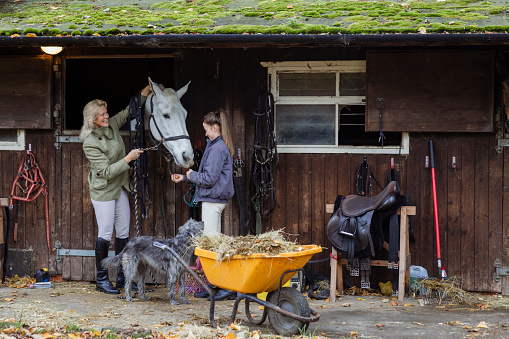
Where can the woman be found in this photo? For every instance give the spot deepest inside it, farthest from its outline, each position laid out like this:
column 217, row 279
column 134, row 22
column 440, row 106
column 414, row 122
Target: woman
column 108, row 182
column 213, row 180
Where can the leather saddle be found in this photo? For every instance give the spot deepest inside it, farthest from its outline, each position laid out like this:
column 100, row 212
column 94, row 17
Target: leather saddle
column 349, row 228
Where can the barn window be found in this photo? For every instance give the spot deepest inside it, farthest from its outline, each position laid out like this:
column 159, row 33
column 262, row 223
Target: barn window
column 12, row 139
column 320, row 108
column 114, row 79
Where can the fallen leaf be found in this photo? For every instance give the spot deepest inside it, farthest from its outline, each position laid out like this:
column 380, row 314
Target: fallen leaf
column 289, row 6
column 353, row 333
column 482, row 324
column 408, row 304
column 234, row 326
column 360, row 299
column 380, row 325
column 345, row 304
column 230, row 335
column 159, row 325
column 9, row 299
column 393, row 303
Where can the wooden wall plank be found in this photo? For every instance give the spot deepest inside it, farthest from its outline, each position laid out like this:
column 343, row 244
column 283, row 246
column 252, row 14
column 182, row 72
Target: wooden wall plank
column 468, row 219
column 454, row 181
column 415, row 165
column 427, row 224
column 505, row 223
column 292, row 191
column 305, row 199
column 66, row 221
column 495, row 212
column 318, row 221
column 76, row 209
column 483, row 269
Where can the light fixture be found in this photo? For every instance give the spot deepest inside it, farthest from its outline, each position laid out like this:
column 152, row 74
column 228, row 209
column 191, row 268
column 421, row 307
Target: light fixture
column 52, row 49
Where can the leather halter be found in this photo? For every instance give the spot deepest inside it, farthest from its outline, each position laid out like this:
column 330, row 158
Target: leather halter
column 177, row 137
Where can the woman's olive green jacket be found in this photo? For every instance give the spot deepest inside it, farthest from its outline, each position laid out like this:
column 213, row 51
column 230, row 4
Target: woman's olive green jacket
column 105, row 150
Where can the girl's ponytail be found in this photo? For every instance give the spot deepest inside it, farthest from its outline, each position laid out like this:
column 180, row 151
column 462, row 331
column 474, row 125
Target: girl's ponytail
column 225, row 132
column 221, row 119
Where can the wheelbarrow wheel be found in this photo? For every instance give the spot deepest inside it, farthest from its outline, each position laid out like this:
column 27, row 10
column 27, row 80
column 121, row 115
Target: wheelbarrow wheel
column 250, row 317
column 292, row 301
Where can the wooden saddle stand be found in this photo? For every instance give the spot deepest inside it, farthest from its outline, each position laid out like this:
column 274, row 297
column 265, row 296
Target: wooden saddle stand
column 349, row 231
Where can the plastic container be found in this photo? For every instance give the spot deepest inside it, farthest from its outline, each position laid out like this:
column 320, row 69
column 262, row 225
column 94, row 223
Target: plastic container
column 416, row 273
column 42, row 275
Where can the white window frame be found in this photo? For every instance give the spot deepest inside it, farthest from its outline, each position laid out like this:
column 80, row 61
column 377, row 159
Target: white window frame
column 18, row 145
column 336, row 66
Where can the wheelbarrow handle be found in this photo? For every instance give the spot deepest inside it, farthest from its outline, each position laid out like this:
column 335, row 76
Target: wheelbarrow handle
column 179, row 258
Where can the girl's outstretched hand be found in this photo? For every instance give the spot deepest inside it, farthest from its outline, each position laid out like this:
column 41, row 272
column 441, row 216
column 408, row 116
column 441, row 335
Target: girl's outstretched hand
column 176, row 178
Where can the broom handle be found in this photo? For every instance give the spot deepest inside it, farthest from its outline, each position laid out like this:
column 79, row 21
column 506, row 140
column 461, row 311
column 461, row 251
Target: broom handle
column 435, row 206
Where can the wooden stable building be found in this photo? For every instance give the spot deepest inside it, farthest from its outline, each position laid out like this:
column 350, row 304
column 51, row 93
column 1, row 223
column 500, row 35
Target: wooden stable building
column 329, row 90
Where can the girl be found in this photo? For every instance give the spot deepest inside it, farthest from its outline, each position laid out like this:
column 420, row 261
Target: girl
column 214, row 178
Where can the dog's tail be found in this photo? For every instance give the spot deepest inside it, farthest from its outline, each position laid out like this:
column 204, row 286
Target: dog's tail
column 111, row 262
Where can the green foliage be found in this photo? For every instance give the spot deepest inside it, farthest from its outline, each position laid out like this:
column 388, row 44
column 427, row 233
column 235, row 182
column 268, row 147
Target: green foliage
column 113, row 31
column 31, row 30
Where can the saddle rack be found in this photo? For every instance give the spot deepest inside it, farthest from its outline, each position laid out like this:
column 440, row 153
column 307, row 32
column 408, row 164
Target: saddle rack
column 337, row 262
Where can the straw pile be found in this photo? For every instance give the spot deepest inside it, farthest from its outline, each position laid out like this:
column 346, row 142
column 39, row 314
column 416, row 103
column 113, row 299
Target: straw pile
column 272, row 243
column 442, row 291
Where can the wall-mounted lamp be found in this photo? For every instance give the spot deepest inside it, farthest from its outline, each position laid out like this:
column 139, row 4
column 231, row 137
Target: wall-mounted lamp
column 52, row 49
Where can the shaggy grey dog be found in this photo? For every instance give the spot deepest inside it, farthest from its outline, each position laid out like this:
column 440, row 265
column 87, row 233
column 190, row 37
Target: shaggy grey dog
column 138, row 256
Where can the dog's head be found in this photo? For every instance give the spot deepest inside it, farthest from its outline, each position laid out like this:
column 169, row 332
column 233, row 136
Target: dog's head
column 191, row 228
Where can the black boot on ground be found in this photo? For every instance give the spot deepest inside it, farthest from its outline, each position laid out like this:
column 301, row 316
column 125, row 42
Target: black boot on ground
column 103, row 283
column 120, row 283
column 221, row 295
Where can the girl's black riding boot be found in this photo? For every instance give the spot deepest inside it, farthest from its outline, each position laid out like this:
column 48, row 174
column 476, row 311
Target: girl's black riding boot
column 103, row 283
column 120, row 283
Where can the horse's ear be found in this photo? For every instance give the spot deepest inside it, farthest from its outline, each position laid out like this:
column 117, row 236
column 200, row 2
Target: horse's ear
column 155, row 89
column 183, row 90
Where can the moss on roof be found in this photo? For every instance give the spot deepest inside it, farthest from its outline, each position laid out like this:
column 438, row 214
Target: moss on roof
column 111, row 17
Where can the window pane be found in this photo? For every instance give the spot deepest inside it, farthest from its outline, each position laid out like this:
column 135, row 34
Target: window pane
column 305, row 124
column 352, row 84
column 307, row 84
column 352, row 129
column 8, row 135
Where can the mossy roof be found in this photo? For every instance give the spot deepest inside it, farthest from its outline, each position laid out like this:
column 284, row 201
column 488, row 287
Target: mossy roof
column 290, row 17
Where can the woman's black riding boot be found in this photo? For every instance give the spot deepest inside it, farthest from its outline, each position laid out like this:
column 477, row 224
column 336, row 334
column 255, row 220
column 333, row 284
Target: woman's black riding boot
column 120, row 283
column 103, row 283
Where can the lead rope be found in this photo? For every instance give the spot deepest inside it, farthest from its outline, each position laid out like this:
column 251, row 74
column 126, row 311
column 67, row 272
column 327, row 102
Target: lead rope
column 33, row 184
column 141, row 165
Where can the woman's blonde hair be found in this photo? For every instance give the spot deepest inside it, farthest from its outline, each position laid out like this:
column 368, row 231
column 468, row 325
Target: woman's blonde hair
column 89, row 114
column 221, row 119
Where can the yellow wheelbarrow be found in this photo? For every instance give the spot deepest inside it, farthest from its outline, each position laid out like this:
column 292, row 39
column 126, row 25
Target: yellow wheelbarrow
column 287, row 309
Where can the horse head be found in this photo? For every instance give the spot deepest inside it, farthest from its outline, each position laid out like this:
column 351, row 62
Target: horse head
column 168, row 122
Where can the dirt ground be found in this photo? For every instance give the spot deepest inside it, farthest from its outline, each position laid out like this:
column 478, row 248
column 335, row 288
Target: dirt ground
column 77, row 304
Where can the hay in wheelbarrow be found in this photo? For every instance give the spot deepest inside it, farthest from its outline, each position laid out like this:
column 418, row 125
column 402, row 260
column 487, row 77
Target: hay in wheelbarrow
column 251, row 264
column 272, row 243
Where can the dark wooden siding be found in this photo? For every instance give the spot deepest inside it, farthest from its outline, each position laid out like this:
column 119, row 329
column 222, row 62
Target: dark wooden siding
column 26, row 83
column 473, row 208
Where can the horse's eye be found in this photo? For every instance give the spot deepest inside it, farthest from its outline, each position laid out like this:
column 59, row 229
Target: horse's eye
column 166, row 115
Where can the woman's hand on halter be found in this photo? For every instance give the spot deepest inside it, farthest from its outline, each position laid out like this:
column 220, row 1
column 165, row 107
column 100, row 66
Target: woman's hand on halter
column 176, row 178
column 188, row 173
column 133, row 155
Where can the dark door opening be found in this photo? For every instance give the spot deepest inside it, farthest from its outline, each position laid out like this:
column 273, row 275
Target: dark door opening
column 114, row 80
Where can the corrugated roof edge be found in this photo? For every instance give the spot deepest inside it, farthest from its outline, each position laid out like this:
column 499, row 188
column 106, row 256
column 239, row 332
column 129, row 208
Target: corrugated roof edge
column 260, row 40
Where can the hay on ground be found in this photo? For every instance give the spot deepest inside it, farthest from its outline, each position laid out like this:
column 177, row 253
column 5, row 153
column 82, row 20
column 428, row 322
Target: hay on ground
column 442, row 291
